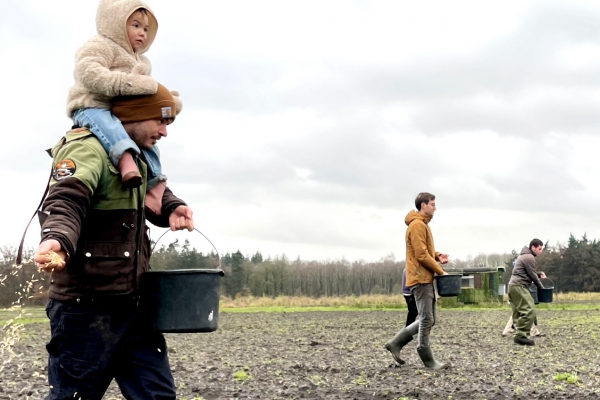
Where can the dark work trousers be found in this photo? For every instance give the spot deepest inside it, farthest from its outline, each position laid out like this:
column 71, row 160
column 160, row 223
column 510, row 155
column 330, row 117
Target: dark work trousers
column 523, row 309
column 94, row 342
column 412, row 309
column 534, row 322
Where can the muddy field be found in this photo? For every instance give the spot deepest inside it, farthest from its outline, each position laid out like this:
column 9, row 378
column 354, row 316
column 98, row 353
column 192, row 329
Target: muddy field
column 339, row 355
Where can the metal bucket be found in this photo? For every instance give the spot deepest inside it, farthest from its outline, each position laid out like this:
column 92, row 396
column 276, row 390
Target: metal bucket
column 448, row 285
column 545, row 295
column 181, row 301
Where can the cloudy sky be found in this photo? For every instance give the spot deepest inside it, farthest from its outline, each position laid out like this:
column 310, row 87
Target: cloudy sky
column 310, row 126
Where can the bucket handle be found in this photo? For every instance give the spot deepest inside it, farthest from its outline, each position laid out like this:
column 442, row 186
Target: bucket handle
column 196, row 229
column 547, row 279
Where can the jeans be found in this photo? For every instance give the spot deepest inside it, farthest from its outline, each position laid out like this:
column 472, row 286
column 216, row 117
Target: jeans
column 94, row 342
column 425, row 297
column 424, row 294
column 115, row 140
column 152, row 159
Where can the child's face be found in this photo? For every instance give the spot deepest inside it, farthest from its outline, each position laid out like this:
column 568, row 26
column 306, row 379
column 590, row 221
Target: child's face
column 137, row 26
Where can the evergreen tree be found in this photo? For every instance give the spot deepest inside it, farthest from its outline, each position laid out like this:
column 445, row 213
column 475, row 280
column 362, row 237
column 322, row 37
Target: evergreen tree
column 235, row 282
column 256, row 258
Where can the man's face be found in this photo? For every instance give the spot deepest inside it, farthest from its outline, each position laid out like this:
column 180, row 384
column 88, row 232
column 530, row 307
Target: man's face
column 429, row 208
column 537, row 250
column 137, row 27
column 146, row 133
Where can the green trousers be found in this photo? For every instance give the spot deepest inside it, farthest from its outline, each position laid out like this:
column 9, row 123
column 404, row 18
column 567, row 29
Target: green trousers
column 523, row 311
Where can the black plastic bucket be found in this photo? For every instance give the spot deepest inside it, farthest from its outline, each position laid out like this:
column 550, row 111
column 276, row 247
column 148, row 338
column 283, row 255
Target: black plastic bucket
column 448, row 285
column 545, row 295
column 181, row 301
column 533, row 290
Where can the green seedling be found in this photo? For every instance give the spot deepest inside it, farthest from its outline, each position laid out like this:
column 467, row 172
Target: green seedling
column 241, row 375
column 316, row 380
column 362, row 380
column 567, row 377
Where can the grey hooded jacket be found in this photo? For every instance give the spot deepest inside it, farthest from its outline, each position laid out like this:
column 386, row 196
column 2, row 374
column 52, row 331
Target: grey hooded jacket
column 524, row 272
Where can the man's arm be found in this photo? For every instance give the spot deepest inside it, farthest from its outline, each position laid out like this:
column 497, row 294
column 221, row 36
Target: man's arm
column 68, row 199
column 175, row 214
column 531, row 270
column 63, row 212
column 419, row 245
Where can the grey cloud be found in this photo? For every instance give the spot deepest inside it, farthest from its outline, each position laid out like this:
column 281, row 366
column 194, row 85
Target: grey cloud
column 350, row 168
column 264, row 169
column 442, row 92
column 220, row 83
column 350, row 164
column 542, row 183
column 292, row 229
column 572, row 115
column 445, row 91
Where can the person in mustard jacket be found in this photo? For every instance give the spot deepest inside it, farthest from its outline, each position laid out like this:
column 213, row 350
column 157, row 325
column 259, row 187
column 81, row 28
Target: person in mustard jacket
column 113, row 64
column 422, row 263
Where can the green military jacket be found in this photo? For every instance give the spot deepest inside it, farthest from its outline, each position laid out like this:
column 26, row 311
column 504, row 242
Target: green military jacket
column 100, row 223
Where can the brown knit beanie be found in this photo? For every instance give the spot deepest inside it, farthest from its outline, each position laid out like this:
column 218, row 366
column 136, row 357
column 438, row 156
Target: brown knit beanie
column 160, row 105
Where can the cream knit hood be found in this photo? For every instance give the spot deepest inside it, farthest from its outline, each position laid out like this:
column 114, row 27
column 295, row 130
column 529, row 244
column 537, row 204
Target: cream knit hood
column 111, row 19
column 106, row 65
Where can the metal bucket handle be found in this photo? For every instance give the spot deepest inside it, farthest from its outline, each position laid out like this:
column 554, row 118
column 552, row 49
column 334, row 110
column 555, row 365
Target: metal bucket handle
column 547, row 279
column 196, row 229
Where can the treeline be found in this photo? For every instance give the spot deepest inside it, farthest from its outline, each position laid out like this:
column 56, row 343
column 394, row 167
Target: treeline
column 244, row 275
column 254, row 275
column 573, row 267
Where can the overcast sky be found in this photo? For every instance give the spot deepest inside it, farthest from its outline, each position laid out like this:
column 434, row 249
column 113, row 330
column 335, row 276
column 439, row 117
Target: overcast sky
column 310, row 126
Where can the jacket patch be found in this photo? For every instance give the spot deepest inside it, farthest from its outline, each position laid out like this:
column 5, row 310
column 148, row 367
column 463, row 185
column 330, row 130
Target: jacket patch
column 166, row 112
column 63, row 169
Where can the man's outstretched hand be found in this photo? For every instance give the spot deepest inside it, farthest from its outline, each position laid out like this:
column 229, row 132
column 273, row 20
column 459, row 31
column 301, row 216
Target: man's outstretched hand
column 49, row 256
column 181, row 218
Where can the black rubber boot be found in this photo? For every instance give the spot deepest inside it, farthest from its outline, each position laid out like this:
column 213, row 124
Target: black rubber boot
column 394, row 346
column 524, row 341
column 429, row 361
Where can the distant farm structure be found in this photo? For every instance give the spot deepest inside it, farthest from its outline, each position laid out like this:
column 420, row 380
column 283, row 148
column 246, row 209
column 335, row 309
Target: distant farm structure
column 480, row 284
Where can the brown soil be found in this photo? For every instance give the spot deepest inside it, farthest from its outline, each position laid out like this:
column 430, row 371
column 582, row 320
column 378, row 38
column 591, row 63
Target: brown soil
column 339, row 355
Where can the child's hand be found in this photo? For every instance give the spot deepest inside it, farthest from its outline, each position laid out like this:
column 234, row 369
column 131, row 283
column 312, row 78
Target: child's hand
column 141, row 69
column 137, row 85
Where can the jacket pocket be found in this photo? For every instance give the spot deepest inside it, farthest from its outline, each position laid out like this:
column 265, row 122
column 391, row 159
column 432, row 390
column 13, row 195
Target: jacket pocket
column 108, row 267
column 104, row 250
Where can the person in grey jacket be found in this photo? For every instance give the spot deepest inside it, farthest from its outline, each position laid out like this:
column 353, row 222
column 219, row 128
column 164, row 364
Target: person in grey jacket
column 523, row 274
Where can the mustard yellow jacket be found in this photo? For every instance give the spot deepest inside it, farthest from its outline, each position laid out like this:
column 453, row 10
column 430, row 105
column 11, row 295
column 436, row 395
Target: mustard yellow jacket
column 421, row 257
